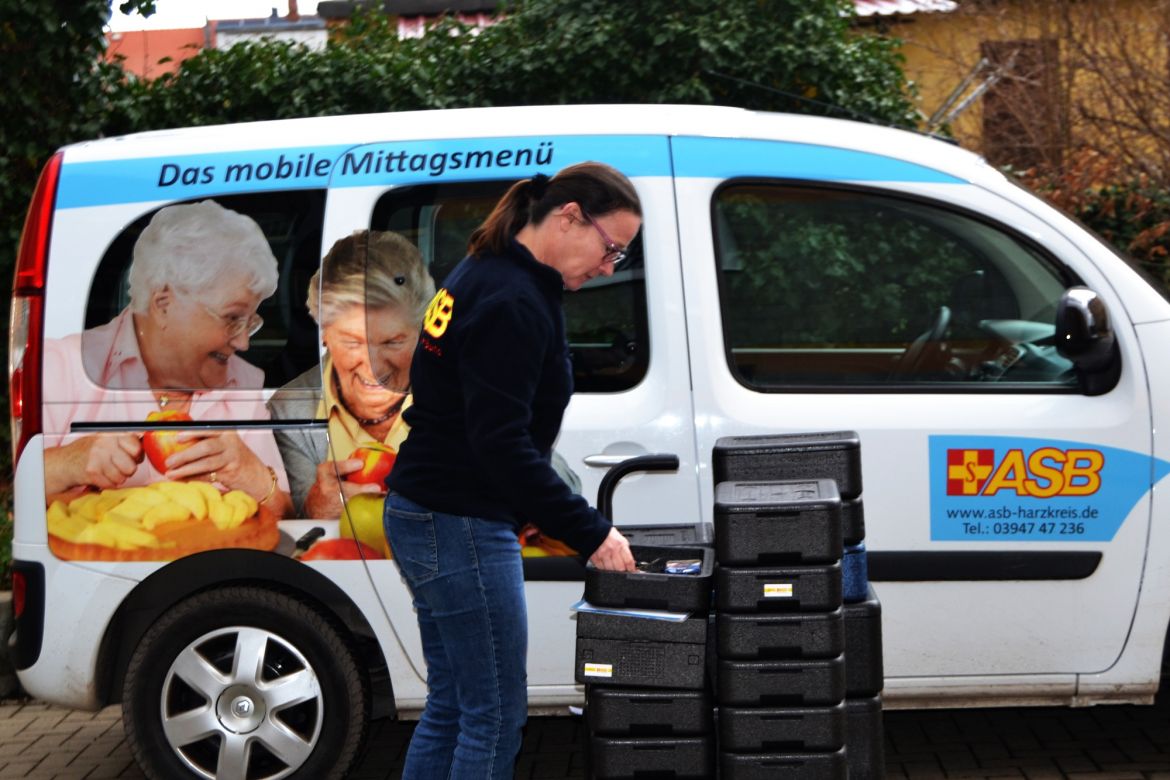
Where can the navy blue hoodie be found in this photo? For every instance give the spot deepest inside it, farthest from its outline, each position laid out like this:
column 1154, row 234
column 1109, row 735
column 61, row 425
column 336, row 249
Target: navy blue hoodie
column 491, row 378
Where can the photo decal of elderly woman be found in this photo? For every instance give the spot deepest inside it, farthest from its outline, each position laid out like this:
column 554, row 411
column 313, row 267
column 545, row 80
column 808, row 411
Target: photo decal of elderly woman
column 368, row 299
column 167, row 488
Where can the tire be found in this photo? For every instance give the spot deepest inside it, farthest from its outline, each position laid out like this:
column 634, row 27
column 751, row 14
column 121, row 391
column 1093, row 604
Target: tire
column 244, row 683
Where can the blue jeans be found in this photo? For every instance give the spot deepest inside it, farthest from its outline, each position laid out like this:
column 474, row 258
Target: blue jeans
column 467, row 579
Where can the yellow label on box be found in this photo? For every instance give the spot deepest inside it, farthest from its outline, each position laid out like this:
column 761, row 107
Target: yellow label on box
column 778, row 590
column 599, row 670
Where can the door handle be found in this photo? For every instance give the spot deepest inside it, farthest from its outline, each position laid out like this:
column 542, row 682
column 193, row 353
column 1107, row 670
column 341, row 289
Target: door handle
column 605, row 461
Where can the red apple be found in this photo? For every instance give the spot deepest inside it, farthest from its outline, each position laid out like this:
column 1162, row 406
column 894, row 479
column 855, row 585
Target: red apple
column 158, row 445
column 377, row 461
column 340, row 550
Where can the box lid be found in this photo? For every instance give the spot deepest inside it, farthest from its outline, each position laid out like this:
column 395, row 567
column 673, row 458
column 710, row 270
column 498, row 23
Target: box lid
column 793, row 494
column 790, row 442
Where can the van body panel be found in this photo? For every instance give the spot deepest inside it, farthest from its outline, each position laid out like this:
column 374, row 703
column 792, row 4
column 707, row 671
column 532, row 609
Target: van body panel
column 906, row 693
column 907, row 434
column 707, row 177
column 652, row 416
column 66, row 671
column 1139, row 666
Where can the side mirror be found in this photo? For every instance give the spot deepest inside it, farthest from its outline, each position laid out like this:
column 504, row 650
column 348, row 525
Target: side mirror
column 1085, row 336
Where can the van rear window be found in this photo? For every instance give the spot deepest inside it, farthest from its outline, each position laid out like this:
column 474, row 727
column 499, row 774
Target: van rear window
column 219, row 291
column 607, row 324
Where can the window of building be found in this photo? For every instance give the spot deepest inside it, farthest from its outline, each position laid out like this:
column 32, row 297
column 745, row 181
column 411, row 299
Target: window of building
column 1023, row 111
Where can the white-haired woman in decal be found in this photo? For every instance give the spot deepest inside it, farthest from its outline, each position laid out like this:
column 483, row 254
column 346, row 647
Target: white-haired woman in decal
column 197, row 277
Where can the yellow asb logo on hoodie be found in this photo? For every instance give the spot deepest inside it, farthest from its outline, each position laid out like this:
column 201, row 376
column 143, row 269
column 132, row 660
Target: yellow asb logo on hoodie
column 438, row 314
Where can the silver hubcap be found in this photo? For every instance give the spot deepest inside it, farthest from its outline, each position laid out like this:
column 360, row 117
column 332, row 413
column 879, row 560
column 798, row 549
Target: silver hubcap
column 241, row 709
column 242, row 702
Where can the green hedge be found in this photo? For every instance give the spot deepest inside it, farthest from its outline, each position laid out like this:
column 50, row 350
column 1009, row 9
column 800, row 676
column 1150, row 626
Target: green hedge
column 1130, row 211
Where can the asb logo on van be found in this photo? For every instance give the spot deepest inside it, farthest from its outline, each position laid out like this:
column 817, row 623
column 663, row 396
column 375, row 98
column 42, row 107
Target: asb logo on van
column 1041, row 473
column 995, row 488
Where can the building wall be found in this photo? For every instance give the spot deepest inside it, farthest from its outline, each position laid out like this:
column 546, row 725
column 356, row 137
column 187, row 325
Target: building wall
column 141, row 50
column 313, row 39
column 1103, row 48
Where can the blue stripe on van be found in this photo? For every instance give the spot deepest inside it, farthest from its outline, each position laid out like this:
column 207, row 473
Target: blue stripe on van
column 192, row 176
column 725, row 158
column 397, row 163
column 413, row 162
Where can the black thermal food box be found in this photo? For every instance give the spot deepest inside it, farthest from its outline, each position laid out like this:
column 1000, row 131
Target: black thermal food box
column 653, row 586
column 655, row 535
column 782, row 729
column 777, row 523
column 802, row 683
column 778, row 589
column 864, row 670
column 616, row 650
column 835, row 455
column 865, row 737
column 783, row 766
column 852, row 521
column 647, row 712
column 668, row 758
column 792, row 635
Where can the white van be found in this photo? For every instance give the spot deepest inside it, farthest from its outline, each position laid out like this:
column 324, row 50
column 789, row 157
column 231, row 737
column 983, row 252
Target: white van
column 1001, row 366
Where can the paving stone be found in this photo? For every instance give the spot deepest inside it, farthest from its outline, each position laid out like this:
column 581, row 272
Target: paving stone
column 40, row 742
column 16, row 769
column 116, row 770
column 1044, row 774
column 922, row 770
column 1070, row 764
column 12, row 748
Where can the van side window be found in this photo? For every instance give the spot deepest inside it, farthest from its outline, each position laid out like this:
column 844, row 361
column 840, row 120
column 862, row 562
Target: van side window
column 606, row 319
column 286, row 343
column 835, row 289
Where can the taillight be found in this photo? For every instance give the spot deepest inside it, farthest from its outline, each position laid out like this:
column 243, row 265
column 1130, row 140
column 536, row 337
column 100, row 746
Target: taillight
column 27, row 320
column 19, row 591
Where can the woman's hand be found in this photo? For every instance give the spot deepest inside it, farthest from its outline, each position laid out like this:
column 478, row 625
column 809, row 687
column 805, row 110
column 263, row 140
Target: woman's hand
column 101, row 460
column 222, row 457
column 323, row 501
column 614, row 553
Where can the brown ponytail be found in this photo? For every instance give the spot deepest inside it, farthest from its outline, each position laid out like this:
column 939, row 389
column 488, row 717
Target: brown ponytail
column 596, row 187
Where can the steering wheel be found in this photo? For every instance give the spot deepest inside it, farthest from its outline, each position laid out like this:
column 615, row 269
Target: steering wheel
column 613, row 359
column 925, row 346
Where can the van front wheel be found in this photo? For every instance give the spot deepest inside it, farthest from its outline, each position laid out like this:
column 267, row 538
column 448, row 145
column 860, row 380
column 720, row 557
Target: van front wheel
column 244, row 683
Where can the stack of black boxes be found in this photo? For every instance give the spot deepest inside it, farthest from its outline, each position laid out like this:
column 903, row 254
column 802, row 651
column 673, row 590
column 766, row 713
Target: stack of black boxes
column 798, row 626
column 783, row 679
column 648, row 708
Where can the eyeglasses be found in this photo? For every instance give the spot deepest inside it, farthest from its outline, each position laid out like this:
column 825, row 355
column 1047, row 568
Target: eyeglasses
column 236, row 324
column 613, row 253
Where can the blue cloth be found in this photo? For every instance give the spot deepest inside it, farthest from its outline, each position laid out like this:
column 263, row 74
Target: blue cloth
column 491, row 378
column 467, row 579
column 855, row 574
